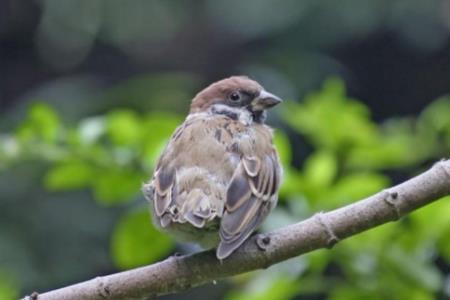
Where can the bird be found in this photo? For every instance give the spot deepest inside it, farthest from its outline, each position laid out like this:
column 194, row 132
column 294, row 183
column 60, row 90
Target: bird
column 218, row 177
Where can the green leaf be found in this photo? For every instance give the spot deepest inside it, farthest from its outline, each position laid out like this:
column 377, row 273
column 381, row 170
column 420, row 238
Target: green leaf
column 415, row 269
column 437, row 115
column 9, row 289
column 280, row 289
column 434, row 123
column 124, row 127
column 329, row 119
column 42, row 122
column 114, row 186
column 351, row 293
column 444, row 243
column 432, row 220
column 292, row 183
column 393, row 147
column 320, row 169
column 318, row 260
column 283, row 147
column 429, row 225
column 136, row 242
column 69, row 175
column 356, row 186
column 157, row 128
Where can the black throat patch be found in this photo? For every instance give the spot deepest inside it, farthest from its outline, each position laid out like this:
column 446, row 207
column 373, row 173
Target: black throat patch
column 259, row 116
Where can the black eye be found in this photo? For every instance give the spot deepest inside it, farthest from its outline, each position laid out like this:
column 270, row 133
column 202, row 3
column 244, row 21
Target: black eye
column 235, row 96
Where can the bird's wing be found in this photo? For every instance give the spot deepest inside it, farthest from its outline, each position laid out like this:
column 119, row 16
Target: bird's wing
column 196, row 150
column 250, row 197
column 164, row 185
column 164, row 190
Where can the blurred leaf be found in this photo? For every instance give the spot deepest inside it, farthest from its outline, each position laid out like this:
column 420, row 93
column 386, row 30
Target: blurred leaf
column 437, row 115
column 292, row 183
column 432, row 220
column 8, row 287
column 444, row 245
column 329, row 119
column 431, row 225
column 283, row 147
column 41, row 122
column 114, row 186
column 319, row 172
column 123, row 127
column 318, row 260
column 320, row 169
column 393, row 148
column 373, row 243
column 356, row 186
column 434, row 122
column 157, row 129
column 69, row 175
column 352, row 293
column 411, row 268
column 281, row 288
column 136, row 242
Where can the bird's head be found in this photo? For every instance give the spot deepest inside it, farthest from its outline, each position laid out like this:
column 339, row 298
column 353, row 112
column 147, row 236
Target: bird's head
column 235, row 94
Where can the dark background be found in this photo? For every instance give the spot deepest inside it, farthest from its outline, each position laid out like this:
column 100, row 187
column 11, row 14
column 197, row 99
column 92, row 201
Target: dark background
column 394, row 55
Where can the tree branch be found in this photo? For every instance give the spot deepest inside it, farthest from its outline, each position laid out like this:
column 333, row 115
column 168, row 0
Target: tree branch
column 179, row 273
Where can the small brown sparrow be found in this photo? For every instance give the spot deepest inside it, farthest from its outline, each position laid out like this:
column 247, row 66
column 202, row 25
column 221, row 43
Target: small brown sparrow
column 219, row 175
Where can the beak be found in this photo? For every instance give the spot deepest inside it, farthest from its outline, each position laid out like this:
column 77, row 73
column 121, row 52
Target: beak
column 265, row 100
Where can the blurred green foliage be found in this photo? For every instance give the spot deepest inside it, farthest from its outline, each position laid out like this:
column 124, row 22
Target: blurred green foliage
column 8, row 287
column 113, row 154
column 135, row 243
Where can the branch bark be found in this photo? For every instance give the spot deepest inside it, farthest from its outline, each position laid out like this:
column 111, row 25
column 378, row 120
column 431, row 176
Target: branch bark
column 178, row 273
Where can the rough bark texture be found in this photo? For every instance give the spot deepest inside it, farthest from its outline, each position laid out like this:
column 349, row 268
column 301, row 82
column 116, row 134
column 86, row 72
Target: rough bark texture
column 179, row 273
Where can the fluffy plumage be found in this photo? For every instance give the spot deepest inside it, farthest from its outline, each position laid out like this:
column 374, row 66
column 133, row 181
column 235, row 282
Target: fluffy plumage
column 219, row 175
